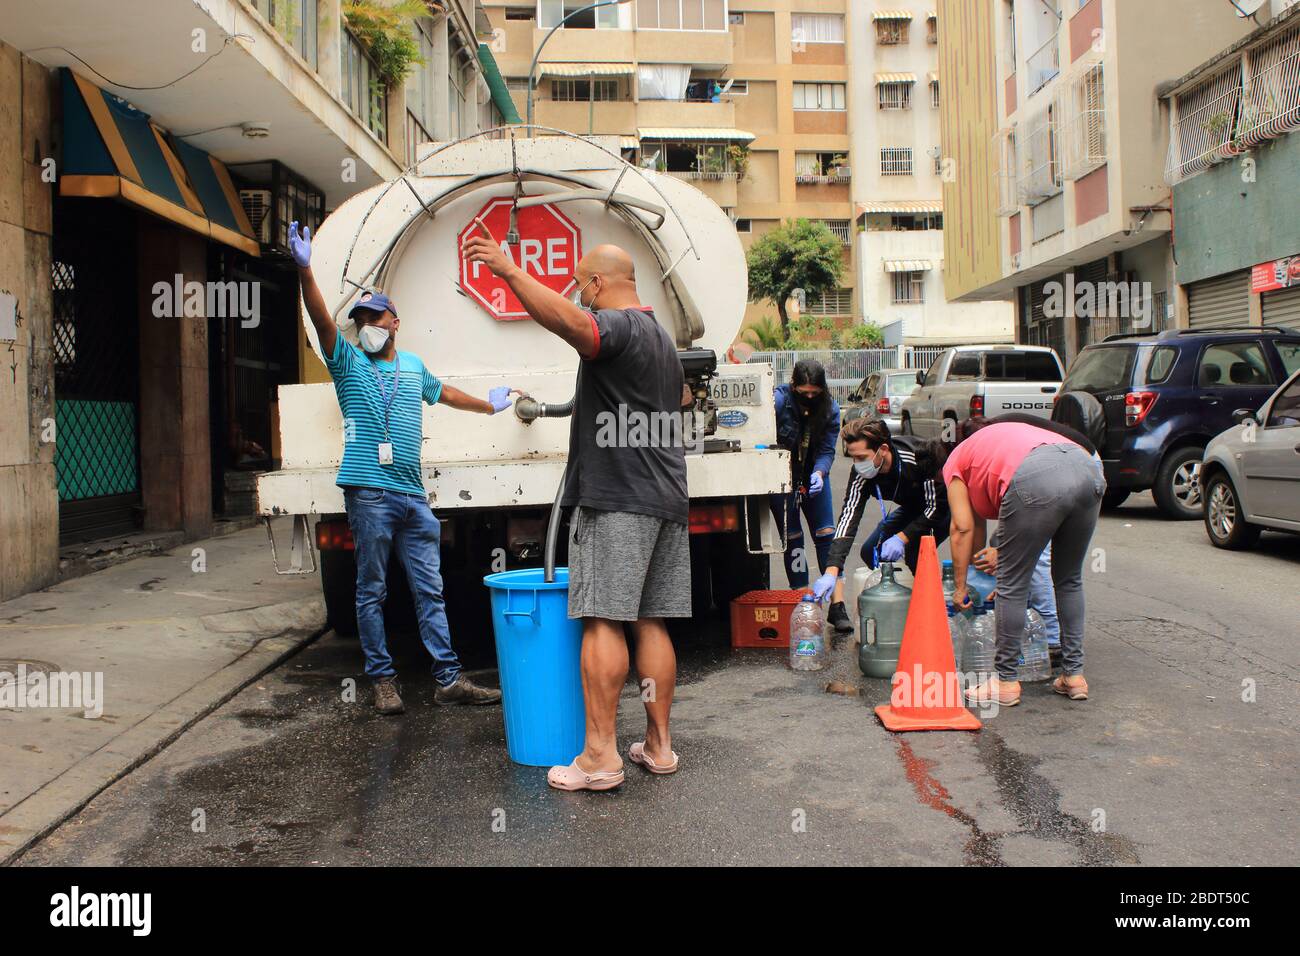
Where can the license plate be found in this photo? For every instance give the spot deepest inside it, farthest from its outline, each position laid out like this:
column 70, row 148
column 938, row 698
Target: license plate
column 737, row 390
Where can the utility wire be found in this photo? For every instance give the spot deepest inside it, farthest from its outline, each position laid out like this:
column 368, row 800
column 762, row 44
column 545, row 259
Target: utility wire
column 124, row 86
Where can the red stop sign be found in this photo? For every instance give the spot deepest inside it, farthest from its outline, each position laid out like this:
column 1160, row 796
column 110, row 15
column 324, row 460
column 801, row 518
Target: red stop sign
column 549, row 248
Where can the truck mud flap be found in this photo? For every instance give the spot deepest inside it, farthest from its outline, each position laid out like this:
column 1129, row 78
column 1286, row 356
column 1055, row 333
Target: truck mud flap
column 300, row 548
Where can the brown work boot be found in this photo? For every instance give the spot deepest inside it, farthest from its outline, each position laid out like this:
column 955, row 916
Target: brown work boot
column 465, row 691
column 387, row 699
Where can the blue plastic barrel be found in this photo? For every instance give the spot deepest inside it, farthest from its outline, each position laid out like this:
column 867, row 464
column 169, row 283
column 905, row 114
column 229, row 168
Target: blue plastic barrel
column 539, row 658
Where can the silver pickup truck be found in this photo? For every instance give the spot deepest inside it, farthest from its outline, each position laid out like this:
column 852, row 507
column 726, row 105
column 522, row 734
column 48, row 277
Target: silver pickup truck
column 987, row 380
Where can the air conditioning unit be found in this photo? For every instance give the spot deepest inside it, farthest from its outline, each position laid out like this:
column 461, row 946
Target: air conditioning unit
column 257, row 207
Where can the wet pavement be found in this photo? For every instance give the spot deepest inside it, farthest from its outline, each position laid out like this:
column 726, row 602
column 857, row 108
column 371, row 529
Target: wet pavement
column 1166, row 764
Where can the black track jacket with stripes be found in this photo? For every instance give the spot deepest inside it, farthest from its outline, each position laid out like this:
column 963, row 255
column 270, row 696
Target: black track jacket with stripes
column 924, row 497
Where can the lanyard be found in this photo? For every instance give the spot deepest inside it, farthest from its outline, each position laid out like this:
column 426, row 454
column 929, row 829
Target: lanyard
column 383, row 393
column 883, row 515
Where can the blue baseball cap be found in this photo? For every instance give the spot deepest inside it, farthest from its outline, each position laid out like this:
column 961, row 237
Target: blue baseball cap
column 374, row 302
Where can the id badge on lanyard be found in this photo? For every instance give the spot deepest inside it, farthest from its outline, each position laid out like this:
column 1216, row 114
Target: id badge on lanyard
column 386, row 446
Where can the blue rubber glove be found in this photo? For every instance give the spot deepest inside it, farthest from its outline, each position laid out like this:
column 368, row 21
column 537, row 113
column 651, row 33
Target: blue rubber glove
column 300, row 245
column 499, row 398
column 824, row 586
column 815, row 484
column 892, row 550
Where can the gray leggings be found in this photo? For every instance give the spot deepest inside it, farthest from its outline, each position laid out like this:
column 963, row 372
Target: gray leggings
column 1054, row 496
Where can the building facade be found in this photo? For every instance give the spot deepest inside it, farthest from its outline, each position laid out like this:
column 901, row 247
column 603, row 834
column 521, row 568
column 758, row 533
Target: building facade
column 897, row 188
column 750, row 102
column 1064, row 206
column 148, row 308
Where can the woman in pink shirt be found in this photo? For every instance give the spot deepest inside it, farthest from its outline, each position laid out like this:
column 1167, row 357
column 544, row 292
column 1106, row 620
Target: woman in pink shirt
column 1040, row 486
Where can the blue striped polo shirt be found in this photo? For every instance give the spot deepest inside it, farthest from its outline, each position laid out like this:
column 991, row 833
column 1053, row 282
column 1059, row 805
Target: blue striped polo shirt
column 357, row 388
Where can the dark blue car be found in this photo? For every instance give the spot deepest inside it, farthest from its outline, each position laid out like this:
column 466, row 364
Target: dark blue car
column 1167, row 394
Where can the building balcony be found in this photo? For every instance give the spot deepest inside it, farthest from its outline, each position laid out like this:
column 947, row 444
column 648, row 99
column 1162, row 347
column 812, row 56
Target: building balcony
column 581, row 116
column 702, row 48
column 720, row 186
column 681, row 113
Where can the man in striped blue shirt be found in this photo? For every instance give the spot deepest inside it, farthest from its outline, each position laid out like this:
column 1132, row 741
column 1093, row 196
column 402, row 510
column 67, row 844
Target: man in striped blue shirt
column 381, row 392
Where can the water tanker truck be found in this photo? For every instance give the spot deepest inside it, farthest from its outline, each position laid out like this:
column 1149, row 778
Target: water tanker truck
column 492, row 481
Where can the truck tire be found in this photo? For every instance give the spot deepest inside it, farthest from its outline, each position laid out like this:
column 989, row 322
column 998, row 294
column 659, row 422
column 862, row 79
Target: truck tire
column 1177, row 489
column 338, row 580
column 1113, row 498
column 1225, row 523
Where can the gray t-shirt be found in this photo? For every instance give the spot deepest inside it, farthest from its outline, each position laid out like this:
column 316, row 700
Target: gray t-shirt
column 626, row 447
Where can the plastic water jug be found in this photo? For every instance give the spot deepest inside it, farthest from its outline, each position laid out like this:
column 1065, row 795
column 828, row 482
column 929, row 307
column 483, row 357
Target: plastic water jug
column 863, row 578
column 981, row 585
column 949, row 582
column 807, row 636
column 1035, row 661
column 978, row 652
column 882, row 615
column 957, row 631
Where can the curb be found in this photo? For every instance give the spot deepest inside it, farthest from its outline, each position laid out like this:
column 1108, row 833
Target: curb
column 34, row 818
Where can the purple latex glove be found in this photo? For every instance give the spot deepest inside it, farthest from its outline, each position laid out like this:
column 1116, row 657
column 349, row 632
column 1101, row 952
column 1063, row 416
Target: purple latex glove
column 892, row 550
column 815, row 484
column 824, row 586
column 499, row 398
column 300, row 245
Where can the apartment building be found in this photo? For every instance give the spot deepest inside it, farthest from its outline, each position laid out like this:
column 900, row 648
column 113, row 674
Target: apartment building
column 747, row 99
column 1060, row 200
column 148, row 150
column 1233, row 163
column 898, row 181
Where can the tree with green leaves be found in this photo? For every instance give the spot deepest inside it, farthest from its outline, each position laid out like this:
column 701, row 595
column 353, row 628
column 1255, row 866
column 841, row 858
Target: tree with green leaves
column 798, row 254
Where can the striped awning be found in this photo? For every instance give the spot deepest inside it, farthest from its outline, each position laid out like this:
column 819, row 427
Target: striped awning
column 694, row 133
column 892, row 15
column 587, row 69
column 895, row 78
column 111, row 150
column 901, row 206
column 629, row 142
column 908, row 265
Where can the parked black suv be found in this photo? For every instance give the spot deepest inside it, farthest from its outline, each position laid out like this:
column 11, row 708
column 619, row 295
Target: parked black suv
column 1166, row 395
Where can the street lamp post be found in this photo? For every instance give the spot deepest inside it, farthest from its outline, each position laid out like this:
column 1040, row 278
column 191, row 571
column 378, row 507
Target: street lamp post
column 532, row 69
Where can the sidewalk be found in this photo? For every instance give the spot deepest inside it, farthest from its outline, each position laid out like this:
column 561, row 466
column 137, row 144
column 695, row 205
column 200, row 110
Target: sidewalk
column 171, row 642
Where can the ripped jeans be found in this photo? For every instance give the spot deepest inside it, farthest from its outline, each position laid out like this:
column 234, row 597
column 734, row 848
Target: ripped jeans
column 820, row 512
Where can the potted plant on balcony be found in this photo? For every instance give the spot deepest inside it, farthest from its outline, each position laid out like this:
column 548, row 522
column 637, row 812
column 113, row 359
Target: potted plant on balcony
column 839, row 168
column 387, row 29
column 738, row 157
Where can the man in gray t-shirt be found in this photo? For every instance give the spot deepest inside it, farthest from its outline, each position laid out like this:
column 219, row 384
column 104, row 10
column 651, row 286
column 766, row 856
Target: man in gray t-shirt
column 629, row 549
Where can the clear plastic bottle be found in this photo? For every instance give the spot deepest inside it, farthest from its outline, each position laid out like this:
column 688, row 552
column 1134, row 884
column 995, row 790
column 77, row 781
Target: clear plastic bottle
column 957, row 631
column 949, row 582
column 978, row 652
column 807, row 636
column 1035, row 661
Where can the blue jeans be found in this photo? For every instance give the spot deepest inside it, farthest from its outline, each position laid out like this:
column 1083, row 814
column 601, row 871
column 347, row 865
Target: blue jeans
column 1042, row 596
column 890, row 525
column 382, row 521
column 820, row 513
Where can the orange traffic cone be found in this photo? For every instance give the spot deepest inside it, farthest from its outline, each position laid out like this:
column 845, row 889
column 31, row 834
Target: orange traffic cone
column 926, row 689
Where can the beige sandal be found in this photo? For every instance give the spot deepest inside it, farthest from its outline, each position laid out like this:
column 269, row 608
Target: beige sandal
column 1006, row 693
column 638, row 755
column 1074, row 686
column 574, row 777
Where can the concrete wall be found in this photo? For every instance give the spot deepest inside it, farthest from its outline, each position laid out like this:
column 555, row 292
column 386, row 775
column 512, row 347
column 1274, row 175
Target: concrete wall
column 1225, row 223
column 29, row 504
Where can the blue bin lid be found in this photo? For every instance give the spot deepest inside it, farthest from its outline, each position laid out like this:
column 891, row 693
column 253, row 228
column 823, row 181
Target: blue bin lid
column 528, row 579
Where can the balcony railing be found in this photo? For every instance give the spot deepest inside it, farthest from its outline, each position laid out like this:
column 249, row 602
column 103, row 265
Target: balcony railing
column 1043, row 64
column 822, row 179
column 705, row 175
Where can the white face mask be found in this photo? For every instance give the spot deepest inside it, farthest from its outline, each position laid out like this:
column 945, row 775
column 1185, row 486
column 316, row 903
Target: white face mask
column 577, row 295
column 373, row 338
column 867, row 469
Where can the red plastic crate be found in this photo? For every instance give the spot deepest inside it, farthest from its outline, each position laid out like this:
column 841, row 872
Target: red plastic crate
column 762, row 618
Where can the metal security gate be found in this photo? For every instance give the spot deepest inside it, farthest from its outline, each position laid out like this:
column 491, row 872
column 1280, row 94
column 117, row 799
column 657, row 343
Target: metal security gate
column 1220, row 302
column 1282, row 308
column 96, row 372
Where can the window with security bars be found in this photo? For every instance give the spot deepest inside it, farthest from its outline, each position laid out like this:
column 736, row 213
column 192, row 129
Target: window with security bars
column 831, row 302
column 909, row 288
column 896, row 161
column 1084, row 122
column 842, row 229
column 892, row 32
column 895, row 96
column 1039, row 159
column 568, row 91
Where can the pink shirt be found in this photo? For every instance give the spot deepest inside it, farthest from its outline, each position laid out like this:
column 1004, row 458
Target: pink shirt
column 987, row 461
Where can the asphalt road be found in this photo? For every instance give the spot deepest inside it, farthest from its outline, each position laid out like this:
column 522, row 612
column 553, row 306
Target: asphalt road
column 1172, row 761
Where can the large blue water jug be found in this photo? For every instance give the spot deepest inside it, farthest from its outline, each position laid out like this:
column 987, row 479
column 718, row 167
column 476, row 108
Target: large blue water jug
column 539, row 658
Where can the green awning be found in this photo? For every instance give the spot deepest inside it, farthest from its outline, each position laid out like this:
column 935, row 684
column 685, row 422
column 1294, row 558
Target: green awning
column 500, row 95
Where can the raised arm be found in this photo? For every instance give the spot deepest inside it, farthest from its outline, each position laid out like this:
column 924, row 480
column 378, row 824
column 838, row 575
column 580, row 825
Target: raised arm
column 326, row 330
column 551, row 310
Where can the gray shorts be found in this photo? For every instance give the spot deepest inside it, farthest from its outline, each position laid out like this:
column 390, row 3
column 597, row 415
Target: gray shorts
column 625, row 567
